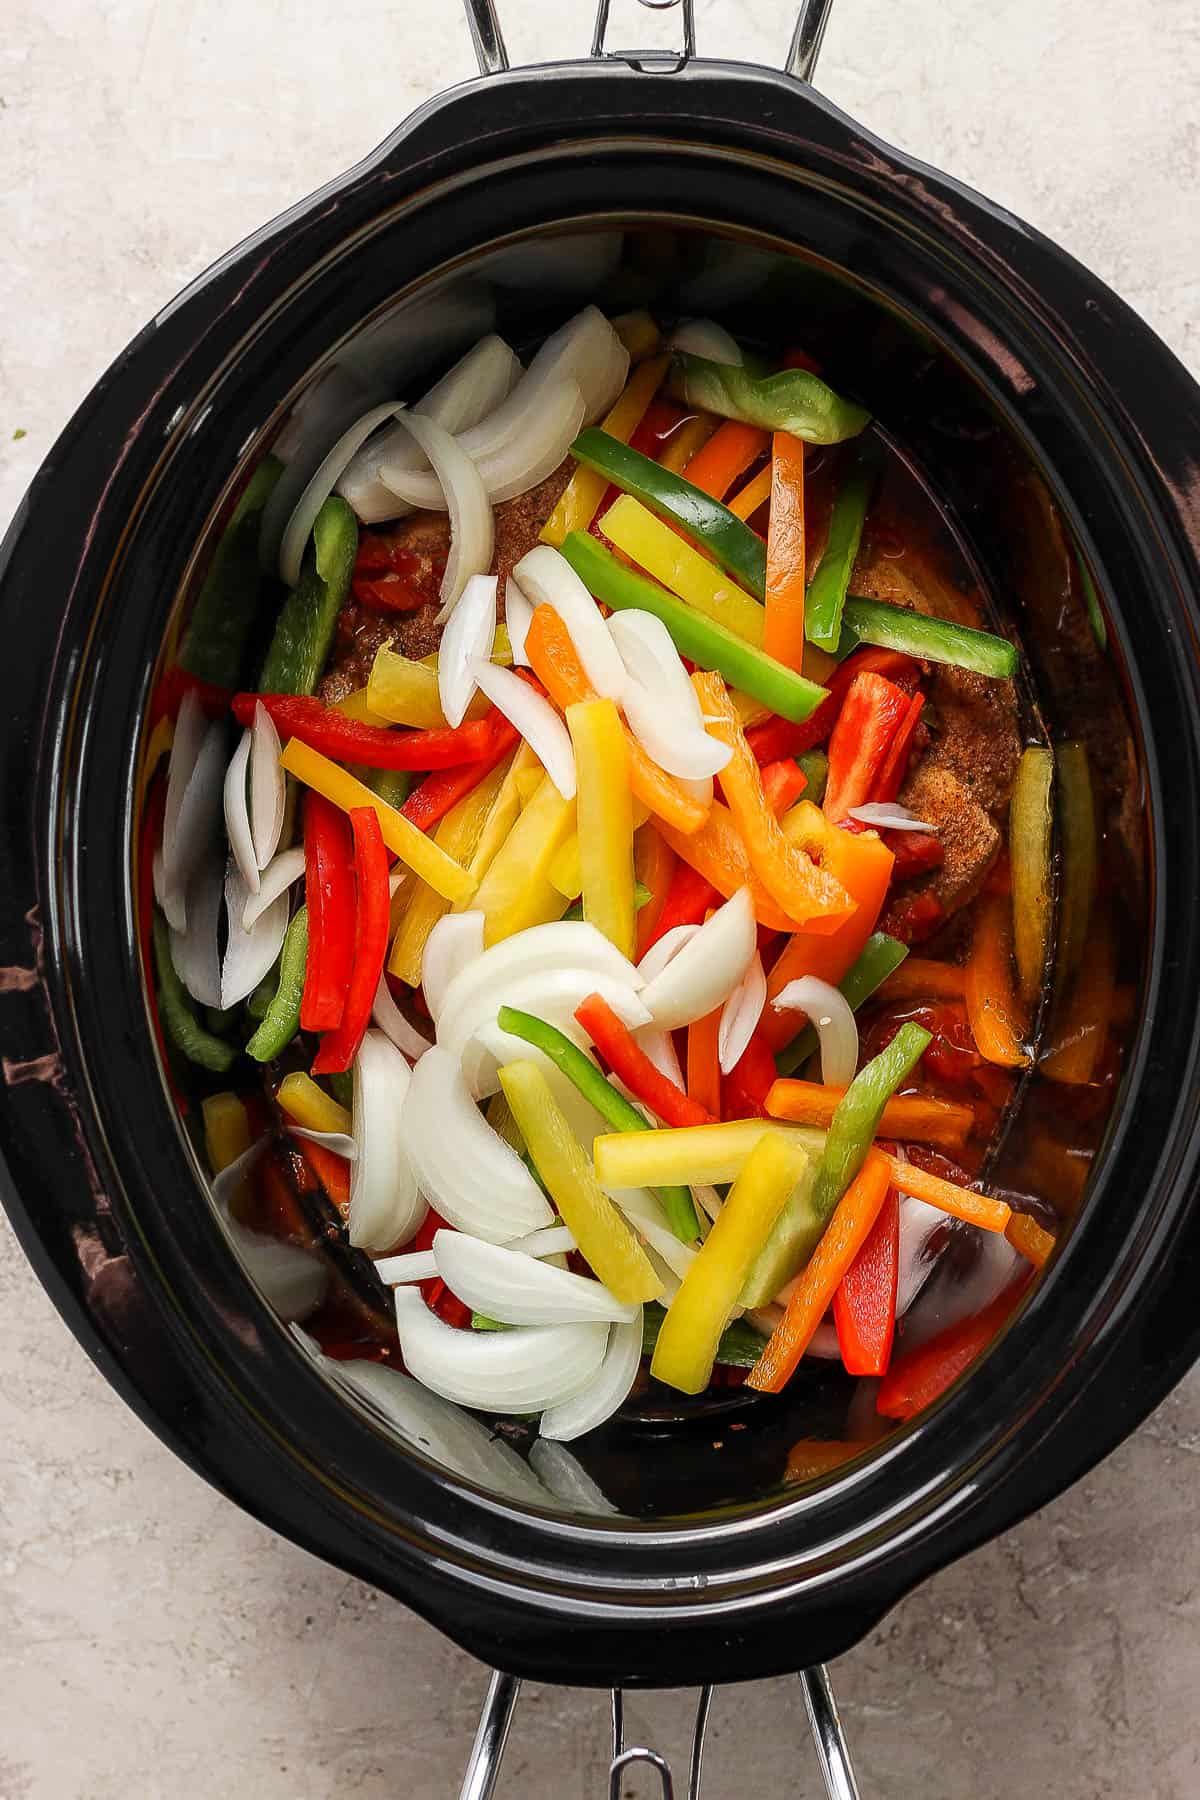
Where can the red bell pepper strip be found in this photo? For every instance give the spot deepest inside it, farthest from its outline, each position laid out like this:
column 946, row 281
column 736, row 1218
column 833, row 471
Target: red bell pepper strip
column 437, row 1296
column 864, row 1307
column 916, row 852
column 744, row 1090
column 339, row 1047
column 441, row 790
column 329, row 894
column 890, row 779
column 783, row 783
column 630, row 1064
column 345, row 740
column 870, row 716
column 776, row 738
column 917, row 1378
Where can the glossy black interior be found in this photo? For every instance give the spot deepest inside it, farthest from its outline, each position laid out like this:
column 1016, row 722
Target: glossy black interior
column 1058, row 435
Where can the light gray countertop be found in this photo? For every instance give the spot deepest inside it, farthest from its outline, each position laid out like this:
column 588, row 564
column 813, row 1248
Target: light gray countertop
column 153, row 1639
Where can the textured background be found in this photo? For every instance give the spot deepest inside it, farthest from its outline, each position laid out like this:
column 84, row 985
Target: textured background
column 152, row 1639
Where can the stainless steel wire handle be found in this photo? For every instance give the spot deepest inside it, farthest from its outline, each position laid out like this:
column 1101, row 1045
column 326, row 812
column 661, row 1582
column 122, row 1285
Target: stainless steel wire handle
column 801, row 59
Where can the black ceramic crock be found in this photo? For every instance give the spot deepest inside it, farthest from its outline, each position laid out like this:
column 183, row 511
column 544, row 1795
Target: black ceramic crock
column 1027, row 392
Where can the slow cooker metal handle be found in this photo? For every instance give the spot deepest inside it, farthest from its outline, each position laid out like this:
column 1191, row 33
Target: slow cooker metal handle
column 801, row 59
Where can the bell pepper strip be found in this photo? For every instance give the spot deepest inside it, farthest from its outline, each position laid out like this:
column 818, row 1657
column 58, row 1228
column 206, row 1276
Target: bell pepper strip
column 329, row 893
column 847, row 1232
column 831, row 579
column 557, row 666
column 744, row 1090
column 691, row 895
column 281, row 1021
column 682, row 445
column 182, row 1025
column 880, row 957
column 871, row 715
column 913, row 1118
column 566, row 870
column 997, row 1017
column 929, row 639
column 682, row 570
column 415, row 850
column 698, row 1154
column 1030, row 829
column 218, row 632
column 604, row 815
column 856, row 1117
column 789, row 1245
column 756, row 493
column 919, row 1377
column 326, row 729
column 923, row 978
column 1080, row 1020
column 783, row 631
column 1076, row 807
column 1033, row 1241
column 739, row 1346
column 726, row 456
column 605, row 1240
column 630, row 1064
column 894, row 768
column 783, row 783
column 814, row 766
column 505, row 811
column 358, row 706
column 654, row 865
column 690, row 1333
column 227, row 1132
column 331, row 1171
column 405, row 692
column 916, row 853
column 774, row 738
column 393, row 786
column 639, row 332
column 703, row 1064
column 304, row 630
column 516, row 891
column 372, row 915
column 806, row 893
column 309, row 1105
column 674, row 498
column 864, row 1306
column 445, row 788
column 791, row 400
column 608, row 1101
column 812, row 1459
column 717, row 853
column 703, row 641
column 582, row 495
column 457, row 834
column 949, row 1196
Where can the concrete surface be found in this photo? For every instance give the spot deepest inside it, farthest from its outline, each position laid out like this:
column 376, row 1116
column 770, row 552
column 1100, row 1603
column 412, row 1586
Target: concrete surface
column 155, row 1641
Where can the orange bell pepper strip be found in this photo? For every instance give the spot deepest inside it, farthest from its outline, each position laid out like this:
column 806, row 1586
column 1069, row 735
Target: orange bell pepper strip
column 654, row 864
column 864, row 1307
column 783, row 627
column 912, row 1118
column 331, row 1170
column 703, row 1068
column 996, row 1015
column 922, row 978
column 727, row 454
column 808, row 894
column 813, row 1294
column 918, row 1378
column 1031, row 1239
column 755, row 494
column 959, row 1202
column 718, row 853
column 1080, row 1026
column 862, row 863
column 557, row 666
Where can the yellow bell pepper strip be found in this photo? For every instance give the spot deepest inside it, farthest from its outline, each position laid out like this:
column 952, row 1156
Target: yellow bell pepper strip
column 357, row 706
column 705, row 641
column 856, row 1117
column 458, row 835
column 639, row 333
column 566, row 871
column 417, row 851
column 586, row 489
column 704, row 1155
column 682, row 446
column 402, row 692
column 310, row 1106
column 687, row 1342
column 605, row 1240
column 726, row 456
column 557, row 666
column 681, row 568
column 913, row 1118
column 960, row 1202
column 996, row 1015
column 792, row 400
column 604, row 806
column 813, row 1295
column 881, row 956
column 808, row 894
column 783, row 635
column 505, row 810
column 1080, row 1020
column 756, row 493
column 827, row 593
column 517, row 891
column 717, row 853
column 226, row 1130
column 1030, row 825
column 1026, row 1235
column 790, row 1242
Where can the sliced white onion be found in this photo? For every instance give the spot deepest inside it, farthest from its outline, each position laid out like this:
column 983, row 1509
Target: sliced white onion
column 534, row 718
column 606, row 1394
column 648, row 652
column 275, row 879
column 472, row 528
column 249, row 955
column 888, row 815
column 552, row 995
column 195, row 782
column 293, row 1280
column 195, row 952
column 386, row 1206
column 393, row 1024
column 953, row 1298
column 548, row 579
column 467, row 639
column 704, row 337
column 543, row 413
column 918, row 1222
column 518, row 615
column 707, row 1199
column 482, row 985
column 321, row 414
column 555, row 1240
column 339, row 1142
column 455, row 943
column 706, row 971
column 668, row 1279
column 658, row 1046
column 474, row 1179
column 740, row 1015
column 676, row 743
column 587, row 350
column 172, row 906
column 268, row 787
column 520, row 1290
column 833, row 1020
column 417, row 1265
column 237, row 812
column 645, row 1213
column 664, row 949
column 328, row 473
column 567, row 1479
column 523, row 1370
column 491, row 1049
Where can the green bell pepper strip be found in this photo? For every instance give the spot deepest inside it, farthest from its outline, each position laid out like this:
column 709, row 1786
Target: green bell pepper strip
column 856, row 1118
column 608, row 1101
column 393, row 786
column 183, row 1027
column 305, row 627
column 705, row 520
column 930, row 640
column 341, row 1086
column 791, row 400
column 815, row 767
column 701, row 640
column 227, row 604
column 641, row 897
column 880, row 955
column 740, row 1345
column 281, row 1021
column 826, row 593
column 263, row 994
